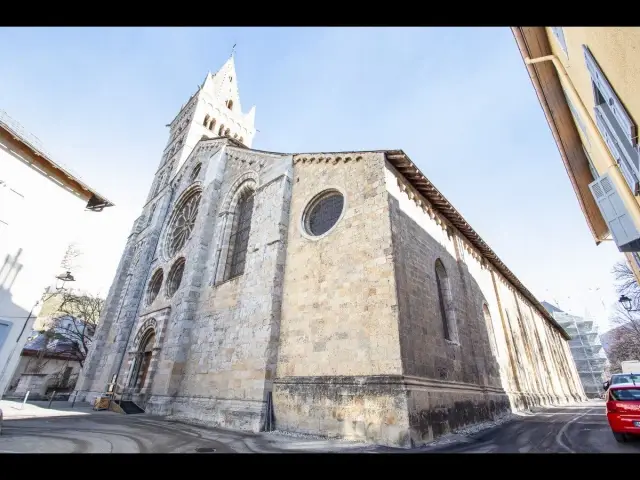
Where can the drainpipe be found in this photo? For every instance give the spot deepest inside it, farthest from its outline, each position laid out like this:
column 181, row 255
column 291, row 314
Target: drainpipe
column 606, row 161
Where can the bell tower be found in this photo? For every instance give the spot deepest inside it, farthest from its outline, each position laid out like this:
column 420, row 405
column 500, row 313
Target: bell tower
column 214, row 110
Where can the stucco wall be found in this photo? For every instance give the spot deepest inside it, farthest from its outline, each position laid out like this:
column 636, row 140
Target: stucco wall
column 38, row 219
column 616, row 51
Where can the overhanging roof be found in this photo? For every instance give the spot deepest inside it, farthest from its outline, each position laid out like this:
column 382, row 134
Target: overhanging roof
column 28, row 148
column 534, row 43
column 410, row 171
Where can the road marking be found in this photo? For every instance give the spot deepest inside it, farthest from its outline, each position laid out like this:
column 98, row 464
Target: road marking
column 563, row 430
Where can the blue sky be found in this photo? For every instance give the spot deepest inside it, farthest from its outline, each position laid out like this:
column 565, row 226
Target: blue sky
column 458, row 101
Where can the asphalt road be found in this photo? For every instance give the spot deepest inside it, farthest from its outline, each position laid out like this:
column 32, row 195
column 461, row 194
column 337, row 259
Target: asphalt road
column 576, row 429
column 38, row 429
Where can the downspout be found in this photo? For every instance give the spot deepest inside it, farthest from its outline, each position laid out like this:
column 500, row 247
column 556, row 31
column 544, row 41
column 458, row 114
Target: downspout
column 604, row 162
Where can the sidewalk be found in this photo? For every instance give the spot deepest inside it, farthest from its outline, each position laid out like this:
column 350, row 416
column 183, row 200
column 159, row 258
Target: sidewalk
column 13, row 410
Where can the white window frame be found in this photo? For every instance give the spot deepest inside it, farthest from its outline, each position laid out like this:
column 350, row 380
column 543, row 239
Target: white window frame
column 558, row 32
column 617, row 128
column 626, row 123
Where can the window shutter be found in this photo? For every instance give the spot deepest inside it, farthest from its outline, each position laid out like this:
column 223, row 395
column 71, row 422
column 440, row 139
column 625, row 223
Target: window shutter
column 576, row 116
column 558, row 32
column 615, row 152
column 613, row 210
column 624, row 119
column 604, row 131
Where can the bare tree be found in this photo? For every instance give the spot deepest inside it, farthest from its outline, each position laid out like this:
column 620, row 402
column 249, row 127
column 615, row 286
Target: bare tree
column 625, row 341
column 70, row 258
column 75, row 323
column 626, row 283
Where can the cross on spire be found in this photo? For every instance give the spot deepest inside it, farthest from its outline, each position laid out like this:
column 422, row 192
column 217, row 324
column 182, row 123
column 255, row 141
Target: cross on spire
column 233, row 50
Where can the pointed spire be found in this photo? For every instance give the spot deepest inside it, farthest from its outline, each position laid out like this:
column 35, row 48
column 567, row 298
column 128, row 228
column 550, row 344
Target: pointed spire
column 206, row 77
column 251, row 116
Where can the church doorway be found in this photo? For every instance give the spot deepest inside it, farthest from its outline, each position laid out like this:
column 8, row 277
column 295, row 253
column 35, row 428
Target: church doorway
column 143, row 361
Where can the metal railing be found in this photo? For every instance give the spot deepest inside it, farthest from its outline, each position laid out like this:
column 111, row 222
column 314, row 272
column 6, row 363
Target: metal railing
column 16, row 128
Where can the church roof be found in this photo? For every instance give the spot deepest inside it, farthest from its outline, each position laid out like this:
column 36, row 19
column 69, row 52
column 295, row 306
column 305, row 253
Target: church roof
column 403, row 164
column 412, row 173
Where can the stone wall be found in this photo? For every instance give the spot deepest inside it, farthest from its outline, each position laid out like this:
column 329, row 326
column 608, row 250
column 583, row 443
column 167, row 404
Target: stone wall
column 221, row 351
column 339, row 333
column 504, row 355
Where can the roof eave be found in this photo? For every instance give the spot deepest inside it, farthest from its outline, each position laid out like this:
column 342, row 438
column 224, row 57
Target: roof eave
column 96, row 201
column 403, row 164
column 524, row 38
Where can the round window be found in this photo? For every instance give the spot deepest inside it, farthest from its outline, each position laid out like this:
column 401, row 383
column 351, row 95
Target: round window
column 182, row 223
column 323, row 213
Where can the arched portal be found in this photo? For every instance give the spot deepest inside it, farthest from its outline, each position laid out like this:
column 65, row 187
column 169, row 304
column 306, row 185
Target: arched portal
column 143, row 361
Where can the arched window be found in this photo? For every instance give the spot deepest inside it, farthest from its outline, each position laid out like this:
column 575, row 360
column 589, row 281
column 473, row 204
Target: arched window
column 195, row 172
column 174, row 278
column 206, row 120
column 235, row 136
column 239, row 239
column 212, row 125
column 221, row 131
column 226, row 132
column 241, row 140
column 154, row 286
column 447, row 312
column 230, row 104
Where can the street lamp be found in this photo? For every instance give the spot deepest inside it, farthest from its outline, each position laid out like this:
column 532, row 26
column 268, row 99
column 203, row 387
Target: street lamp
column 62, row 279
column 626, row 303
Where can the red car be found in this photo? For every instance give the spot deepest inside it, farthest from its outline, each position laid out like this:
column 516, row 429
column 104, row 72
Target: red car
column 623, row 409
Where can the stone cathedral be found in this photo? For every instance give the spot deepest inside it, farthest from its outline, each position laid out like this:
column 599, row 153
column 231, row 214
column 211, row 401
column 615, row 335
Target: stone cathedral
column 330, row 293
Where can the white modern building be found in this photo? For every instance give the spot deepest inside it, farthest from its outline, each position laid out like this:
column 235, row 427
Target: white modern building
column 39, row 199
column 586, row 349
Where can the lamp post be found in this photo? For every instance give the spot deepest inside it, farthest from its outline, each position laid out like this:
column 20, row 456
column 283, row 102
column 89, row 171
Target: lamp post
column 62, row 279
column 627, row 304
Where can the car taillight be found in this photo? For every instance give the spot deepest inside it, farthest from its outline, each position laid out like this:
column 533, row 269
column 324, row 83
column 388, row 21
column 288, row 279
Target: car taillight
column 612, row 407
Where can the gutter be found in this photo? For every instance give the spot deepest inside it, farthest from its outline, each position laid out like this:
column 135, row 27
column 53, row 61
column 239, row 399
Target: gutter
column 525, row 53
column 609, row 164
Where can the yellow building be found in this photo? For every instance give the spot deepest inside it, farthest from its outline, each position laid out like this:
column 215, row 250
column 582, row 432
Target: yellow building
column 588, row 82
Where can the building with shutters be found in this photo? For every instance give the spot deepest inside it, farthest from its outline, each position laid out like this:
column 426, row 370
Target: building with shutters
column 587, row 80
column 329, row 293
column 39, row 200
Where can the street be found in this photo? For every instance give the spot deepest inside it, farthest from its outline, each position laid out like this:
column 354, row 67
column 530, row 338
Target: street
column 572, row 429
column 38, row 429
